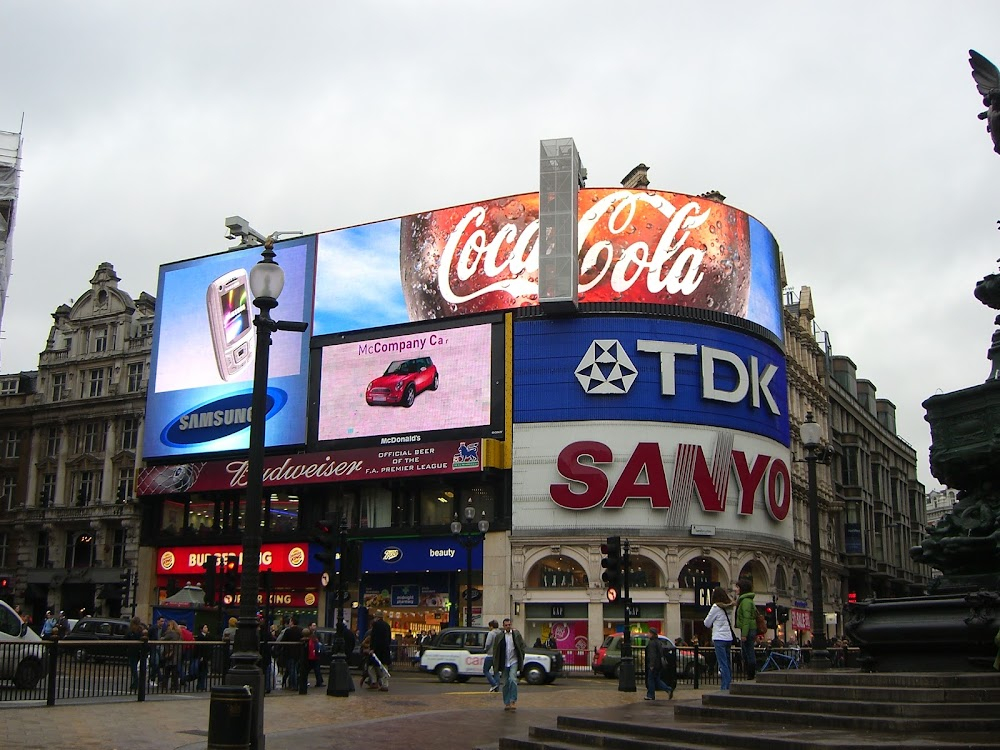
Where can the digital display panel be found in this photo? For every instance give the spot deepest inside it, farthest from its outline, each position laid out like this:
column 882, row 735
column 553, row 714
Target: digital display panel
column 204, row 351
column 405, row 384
column 635, row 246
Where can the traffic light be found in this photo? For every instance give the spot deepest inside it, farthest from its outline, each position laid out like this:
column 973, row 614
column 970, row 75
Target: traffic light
column 6, row 587
column 770, row 615
column 612, row 564
column 229, row 577
column 125, row 584
column 326, row 538
column 782, row 614
column 211, row 566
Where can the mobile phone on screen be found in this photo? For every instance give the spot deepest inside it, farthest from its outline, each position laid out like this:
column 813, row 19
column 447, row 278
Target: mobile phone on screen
column 228, row 300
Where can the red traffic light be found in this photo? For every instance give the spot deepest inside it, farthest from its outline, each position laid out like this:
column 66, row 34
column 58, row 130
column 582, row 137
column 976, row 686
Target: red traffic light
column 231, row 563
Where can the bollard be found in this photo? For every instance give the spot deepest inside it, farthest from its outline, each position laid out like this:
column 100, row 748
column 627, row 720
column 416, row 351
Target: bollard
column 229, row 718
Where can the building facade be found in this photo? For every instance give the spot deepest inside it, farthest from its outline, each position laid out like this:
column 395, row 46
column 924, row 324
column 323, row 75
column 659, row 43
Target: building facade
column 73, row 432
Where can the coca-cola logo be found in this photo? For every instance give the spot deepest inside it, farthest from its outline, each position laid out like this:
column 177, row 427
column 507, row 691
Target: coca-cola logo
column 613, row 250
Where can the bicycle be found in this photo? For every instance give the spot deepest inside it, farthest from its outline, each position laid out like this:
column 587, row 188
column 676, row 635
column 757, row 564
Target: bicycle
column 778, row 661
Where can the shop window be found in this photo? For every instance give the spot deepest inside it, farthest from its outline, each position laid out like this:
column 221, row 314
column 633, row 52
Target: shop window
column 643, row 573
column 173, row 517
column 700, row 570
column 201, row 517
column 482, row 500
column 376, row 507
column 437, row 506
column 283, row 513
column 556, row 571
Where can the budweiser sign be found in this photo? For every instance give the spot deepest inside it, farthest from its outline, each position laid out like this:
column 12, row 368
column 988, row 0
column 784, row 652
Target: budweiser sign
column 635, row 246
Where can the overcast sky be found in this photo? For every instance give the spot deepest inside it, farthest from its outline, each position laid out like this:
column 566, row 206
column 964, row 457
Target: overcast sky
column 849, row 129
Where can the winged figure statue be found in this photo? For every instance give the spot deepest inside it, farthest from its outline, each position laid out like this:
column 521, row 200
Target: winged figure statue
column 987, row 79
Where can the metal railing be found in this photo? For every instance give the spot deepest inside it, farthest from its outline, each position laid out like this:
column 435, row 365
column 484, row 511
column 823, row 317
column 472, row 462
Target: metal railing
column 64, row 670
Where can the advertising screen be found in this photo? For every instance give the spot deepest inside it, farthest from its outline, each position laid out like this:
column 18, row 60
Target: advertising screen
column 413, row 383
column 204, row 353
column 649, row 369
column 636, row 246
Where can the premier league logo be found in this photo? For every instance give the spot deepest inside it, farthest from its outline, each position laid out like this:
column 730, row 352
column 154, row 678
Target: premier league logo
column 606, row 368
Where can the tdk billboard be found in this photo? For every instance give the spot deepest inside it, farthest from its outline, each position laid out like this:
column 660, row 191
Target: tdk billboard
column 624, row 368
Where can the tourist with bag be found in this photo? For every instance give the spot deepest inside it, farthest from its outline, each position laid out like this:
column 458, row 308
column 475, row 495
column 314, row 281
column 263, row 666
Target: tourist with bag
column 722, row 634
column 746, row 621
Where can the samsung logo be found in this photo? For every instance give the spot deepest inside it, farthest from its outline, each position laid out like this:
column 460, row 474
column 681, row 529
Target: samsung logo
column 218, row 419
column 392, row 555
column 401, row 439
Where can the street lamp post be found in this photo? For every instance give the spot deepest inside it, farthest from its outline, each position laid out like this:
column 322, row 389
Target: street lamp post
column 472, row 539
column 816, row 452
column 266, row 282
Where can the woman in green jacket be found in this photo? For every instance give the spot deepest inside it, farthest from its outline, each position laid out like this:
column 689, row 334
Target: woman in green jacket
column 746, row 621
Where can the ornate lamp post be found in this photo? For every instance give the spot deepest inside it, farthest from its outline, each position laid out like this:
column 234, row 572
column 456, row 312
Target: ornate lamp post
column 266, row 282
column 470, row 540
column 811, row 434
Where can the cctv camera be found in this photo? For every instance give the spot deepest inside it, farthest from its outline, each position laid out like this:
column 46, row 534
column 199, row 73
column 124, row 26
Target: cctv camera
column 237, row 226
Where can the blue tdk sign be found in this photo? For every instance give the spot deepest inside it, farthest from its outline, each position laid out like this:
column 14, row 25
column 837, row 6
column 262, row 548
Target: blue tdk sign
column 619, row 368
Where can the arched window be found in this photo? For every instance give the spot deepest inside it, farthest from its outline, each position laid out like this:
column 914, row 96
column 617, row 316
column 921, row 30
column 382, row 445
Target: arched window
column 797, row 584
column 781, row 580
column 556, row 571
column 700, row 570
column 643, row 573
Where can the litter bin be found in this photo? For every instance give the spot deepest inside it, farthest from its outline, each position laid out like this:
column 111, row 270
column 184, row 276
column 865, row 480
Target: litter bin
column 229, row 718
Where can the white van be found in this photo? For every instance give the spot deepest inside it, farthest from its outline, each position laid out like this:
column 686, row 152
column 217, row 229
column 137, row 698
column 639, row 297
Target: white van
column 23, row 664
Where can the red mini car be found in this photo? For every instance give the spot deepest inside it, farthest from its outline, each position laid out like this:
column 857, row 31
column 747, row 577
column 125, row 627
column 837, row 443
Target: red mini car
column 402, row 381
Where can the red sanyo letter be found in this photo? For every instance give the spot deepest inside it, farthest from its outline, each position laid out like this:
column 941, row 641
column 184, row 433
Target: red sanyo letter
column 594, row 480
column 749, row 478
column 779, row 494
column 645, row 456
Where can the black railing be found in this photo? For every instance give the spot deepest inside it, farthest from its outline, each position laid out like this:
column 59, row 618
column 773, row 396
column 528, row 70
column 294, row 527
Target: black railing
column 51, row 671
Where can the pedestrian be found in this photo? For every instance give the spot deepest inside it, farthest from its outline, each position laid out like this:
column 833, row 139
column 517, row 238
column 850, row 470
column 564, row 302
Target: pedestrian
column 51, row 625
column 488, row 660
column 655, row 663
column 722, row 634
column 203, row 656
column 135, row 632
column 188, row 665
column 508, row 659
column 155, row 656
column 746, row 621
column 291, row 654
column 169, row 657
column 312, row 657
column 381, row 644
column 229, row 634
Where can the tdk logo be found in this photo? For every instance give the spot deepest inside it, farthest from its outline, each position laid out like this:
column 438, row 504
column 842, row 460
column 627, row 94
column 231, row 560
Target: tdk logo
column 392, row 555
column 607, row 369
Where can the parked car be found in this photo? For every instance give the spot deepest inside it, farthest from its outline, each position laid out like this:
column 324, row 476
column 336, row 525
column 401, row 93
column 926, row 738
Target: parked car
column 456, row 654
column 21, row 657
column 98, row 629
column 608, row 657
column 402, row 380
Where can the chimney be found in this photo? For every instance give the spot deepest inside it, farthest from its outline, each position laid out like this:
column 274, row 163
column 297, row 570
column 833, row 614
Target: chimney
column 636, row 178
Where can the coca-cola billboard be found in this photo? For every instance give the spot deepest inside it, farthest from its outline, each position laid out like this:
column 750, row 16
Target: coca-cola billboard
column 634, row 246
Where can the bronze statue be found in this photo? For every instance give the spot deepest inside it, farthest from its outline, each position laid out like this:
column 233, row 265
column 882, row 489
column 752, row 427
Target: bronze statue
column 987, row 79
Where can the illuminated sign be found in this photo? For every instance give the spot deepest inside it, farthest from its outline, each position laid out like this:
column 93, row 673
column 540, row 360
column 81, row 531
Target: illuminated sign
column 407, row 385
column 601, row 475
column 634, row 246
column 314, row 468
column 649, row 369
column 203, row 353
column 189, row 561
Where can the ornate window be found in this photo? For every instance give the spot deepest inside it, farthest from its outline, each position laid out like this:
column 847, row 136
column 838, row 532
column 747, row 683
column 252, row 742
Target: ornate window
column 130, row 433
column 556, row 571
column 59, row 386
column 136, row 370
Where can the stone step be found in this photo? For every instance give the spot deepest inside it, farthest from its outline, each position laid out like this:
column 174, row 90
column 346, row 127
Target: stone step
column 879, row 694
column 576, row 733
column 847, row 708
column 989, row 721
column 855, row 678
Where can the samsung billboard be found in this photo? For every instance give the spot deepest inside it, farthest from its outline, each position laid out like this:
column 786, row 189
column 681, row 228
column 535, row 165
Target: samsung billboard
column 413, row 384
column 650, row 370
column 204, row 351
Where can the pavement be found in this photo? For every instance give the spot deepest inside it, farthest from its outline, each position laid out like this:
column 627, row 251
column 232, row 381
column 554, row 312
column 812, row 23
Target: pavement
column 416, row 713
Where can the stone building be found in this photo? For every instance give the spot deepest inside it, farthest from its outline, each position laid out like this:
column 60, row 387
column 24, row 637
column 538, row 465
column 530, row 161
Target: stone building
column 69, row 526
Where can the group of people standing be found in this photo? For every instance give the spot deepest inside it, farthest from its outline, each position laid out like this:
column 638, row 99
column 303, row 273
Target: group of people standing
column 171, row 663
column 723, row 635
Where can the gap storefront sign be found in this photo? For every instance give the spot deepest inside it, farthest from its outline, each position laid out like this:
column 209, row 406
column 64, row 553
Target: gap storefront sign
column 438, row 554
column 650, row 370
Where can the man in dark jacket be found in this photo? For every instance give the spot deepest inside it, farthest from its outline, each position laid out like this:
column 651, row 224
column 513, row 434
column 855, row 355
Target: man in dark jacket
column 655, row 661
column 381, row 640
column 508, row 660
column 292, row 654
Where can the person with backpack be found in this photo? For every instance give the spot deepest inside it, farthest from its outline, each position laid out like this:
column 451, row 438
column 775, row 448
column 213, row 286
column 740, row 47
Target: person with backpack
column 656, row 661
column 746, row 621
